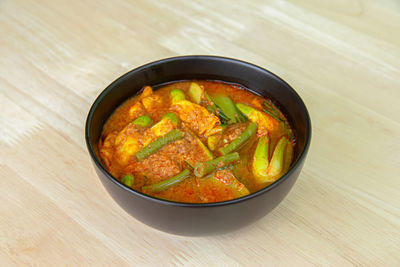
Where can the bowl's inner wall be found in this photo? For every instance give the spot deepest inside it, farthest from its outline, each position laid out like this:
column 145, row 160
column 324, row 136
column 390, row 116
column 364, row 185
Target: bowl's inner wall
column 212, row 68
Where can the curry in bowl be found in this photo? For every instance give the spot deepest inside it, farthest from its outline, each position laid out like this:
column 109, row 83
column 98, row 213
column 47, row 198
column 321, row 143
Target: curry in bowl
column 197, row 142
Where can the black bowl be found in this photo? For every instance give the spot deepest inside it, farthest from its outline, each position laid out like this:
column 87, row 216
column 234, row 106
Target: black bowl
column 210, row 218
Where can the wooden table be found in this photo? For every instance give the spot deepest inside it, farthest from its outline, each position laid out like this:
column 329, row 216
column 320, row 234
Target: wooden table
column 343, row 58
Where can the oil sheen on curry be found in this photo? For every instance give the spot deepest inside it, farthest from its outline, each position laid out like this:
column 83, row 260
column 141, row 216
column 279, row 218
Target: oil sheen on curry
column 197, row 141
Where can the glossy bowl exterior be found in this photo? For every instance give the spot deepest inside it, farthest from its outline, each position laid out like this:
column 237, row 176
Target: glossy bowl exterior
column 210, row 218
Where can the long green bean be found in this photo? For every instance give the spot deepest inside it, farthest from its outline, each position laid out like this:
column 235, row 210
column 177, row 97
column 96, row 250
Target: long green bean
column 161, row 186
column 240, row 140
column 157, row 144
column 204, row 168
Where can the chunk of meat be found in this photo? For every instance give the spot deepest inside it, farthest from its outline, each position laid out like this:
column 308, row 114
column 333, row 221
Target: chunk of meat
column 170, row 160
column 197, row 117
column 157, row 168
column 136, row 110
column 232, row 132
column 187, row 149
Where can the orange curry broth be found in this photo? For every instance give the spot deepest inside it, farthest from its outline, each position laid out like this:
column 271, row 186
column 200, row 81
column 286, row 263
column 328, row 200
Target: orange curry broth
column 168, row 161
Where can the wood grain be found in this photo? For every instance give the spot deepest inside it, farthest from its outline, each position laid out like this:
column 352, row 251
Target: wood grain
column 343, row 58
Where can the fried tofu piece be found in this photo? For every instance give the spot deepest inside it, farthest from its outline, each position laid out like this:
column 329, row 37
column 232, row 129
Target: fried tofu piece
column 147, row 91
column 127, row 143
column 197, row 117
column 151, row 103
column 147, row 101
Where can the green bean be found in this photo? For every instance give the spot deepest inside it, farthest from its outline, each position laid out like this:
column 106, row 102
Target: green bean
column 142, row 121
column 161, row 186
column 177, row 95
column 157, row 144
column 204, row 168
column 188, row 163
column 128, row 180
column 240, row 140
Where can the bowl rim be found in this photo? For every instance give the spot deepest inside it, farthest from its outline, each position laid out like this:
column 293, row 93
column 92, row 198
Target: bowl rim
column 125, row 76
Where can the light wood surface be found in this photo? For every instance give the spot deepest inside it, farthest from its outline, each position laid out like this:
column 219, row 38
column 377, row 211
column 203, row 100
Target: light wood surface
column 343, row 58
